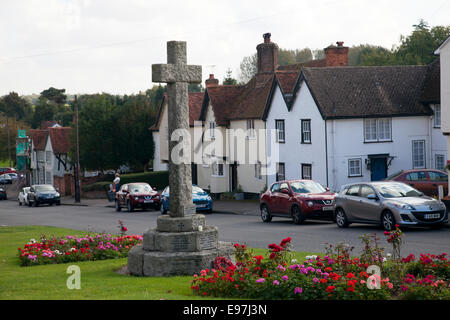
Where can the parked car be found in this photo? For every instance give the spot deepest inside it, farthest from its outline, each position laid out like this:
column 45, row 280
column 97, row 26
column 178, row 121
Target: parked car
column 137, row 195
column 43, row 194
column 3, row 195
column 387, row 204
column 4, row 170
column 5, row 179
column 297, row 199
column 425, row 180
column 13, row 176
column 23, row 196
column 202, row 200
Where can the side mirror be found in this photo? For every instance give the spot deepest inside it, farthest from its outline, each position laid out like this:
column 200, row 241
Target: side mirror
column 372, row 197
column 328, row 189
column 285, row 191
column 154, row 188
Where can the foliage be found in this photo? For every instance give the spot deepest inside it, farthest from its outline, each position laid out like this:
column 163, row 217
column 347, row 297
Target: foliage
column 16, row 107
column 229, row 80
column 74, row 248
column 336, row 276
column 157, row 179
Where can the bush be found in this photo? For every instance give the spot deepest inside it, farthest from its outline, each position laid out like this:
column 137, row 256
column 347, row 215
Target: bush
column 157, row 179
column 336, row 276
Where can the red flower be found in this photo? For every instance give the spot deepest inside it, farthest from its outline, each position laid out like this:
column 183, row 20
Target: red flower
column 351, row 289
column 350, row 275
column 330, row 288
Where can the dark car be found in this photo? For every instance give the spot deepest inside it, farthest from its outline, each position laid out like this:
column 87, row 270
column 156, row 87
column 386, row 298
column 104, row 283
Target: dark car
column 43, row 194
column 297, row 199
column 3, row 195
column 425, row 180
column 5, row 179
column 137, row 195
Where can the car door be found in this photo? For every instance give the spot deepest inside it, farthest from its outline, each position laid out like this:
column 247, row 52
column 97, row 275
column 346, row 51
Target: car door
column 367, row 209
column 284, row 199
column 437, row 179
column 351, row 201
column 273, row 198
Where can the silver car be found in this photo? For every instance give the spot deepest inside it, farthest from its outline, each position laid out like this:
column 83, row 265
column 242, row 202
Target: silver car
column 387, row 204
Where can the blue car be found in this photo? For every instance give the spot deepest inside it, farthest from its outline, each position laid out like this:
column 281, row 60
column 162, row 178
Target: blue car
column 200, row 198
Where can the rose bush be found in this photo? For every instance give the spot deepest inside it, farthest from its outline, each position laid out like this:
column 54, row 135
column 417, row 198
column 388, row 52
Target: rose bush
column 74, row 248
column 336, row 275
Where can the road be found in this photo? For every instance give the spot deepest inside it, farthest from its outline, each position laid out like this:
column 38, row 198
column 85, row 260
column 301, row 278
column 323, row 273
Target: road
column 248, row 228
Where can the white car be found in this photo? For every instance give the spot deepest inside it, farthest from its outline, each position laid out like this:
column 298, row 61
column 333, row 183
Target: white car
column 23, row 196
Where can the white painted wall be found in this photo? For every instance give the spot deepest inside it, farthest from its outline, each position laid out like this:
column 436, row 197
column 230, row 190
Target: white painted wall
column 157, row 164
column 293, row 152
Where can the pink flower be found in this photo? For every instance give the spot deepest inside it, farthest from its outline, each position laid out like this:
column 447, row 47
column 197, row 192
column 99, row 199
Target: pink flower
column 260, row 280
column 285, row 278
column 276, row 283
column 298, row 290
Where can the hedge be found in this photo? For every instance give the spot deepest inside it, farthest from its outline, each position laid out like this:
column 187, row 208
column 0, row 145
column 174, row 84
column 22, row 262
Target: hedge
column 157, row 179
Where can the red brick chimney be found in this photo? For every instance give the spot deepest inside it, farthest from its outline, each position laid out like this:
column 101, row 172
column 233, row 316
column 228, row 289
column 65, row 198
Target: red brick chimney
column 336, row 56
column 267, row 53
column 211, row 81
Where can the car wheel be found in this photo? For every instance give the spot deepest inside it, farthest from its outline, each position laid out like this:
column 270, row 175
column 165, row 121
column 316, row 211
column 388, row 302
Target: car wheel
column 20, row 203
column 341, row 218
column 297, row 216
column 265, row 213
column 30, row 203
column 35, row 204
column 130, row 206
column 118, row 208
column 388, row 221
column 163, row 211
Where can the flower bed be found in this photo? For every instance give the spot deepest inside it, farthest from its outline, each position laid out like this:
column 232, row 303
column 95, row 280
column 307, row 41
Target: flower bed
column 336, row 275
column 74, row 248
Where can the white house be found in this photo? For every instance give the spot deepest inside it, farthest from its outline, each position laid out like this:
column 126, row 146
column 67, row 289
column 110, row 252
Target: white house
column 50, row 162
column 349, row 124
column 444, row 54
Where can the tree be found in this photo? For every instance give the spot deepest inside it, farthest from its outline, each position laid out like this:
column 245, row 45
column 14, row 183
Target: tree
column 15, row 107
column 195, row 87
column 419, row 46
column 43, row 111
column 55, row 95
column 229, row 80
column 248, row 68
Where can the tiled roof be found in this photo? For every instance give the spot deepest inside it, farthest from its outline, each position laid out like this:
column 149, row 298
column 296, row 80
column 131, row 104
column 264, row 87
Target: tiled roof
column 347, row 92
column 195, row 107
column 287, row 80
column 298, row 66
column 431, row 91
column 39, row 138
column 61, row 139
column 223, row 99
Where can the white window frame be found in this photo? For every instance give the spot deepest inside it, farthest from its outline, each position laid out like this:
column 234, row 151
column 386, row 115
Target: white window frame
column 212, row 128
column 437, row 116
column 306, row 130
column 215, row 170
column 279, row 174
column 258, row 170
column 436, row 164
column 357, row 167
column 415, row 163
column 305, row 174
column 280, row 126
column 378, row 130
column 250, row 129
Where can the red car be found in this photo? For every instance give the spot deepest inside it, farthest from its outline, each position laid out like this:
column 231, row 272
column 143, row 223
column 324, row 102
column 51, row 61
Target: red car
column 4, row 170
column 297, row 199
column 425, row 180
column 137, row 195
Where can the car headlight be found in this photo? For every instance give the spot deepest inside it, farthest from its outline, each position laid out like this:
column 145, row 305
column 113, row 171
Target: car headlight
column 136, row 198
column 208, row 197
column 310, row 204
column 403, row 206
column 58, row 195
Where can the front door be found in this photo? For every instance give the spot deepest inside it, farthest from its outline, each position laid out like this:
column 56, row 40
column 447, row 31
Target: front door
column 194, row 173
column 378, row 168
column 233, row 176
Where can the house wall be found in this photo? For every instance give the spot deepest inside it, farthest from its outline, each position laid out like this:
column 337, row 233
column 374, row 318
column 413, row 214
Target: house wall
column 157, row 164
column 346, row 141
column 445, row 87
column 293, row 152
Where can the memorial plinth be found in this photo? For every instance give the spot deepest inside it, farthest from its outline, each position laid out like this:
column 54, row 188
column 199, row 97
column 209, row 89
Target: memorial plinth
column 177, row 247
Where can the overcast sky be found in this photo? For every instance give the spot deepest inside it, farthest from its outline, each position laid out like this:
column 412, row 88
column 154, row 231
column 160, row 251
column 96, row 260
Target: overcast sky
column 89, row 46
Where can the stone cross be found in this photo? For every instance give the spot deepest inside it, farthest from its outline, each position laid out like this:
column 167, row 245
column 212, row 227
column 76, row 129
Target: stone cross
column 177, row 74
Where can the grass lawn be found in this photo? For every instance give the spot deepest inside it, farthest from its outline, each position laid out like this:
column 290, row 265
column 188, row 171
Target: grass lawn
column 98, row 279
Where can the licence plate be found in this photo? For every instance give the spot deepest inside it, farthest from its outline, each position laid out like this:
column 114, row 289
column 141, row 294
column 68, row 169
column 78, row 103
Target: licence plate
column 432, row 216
column 148, row 201
column 327, row 208
column 201, row 205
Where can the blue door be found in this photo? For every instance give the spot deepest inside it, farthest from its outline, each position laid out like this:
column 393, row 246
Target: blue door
column 378, row 169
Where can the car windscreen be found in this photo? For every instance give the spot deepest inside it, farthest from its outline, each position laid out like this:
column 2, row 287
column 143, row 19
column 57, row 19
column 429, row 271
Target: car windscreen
column 394, row 175
column 44, row 188
column 307, row 187
column 136, row 188
column 396, row 190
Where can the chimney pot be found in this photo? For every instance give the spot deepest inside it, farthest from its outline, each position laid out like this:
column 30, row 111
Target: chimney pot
column 266, row 37
column 211, row 81
column 340, row 43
